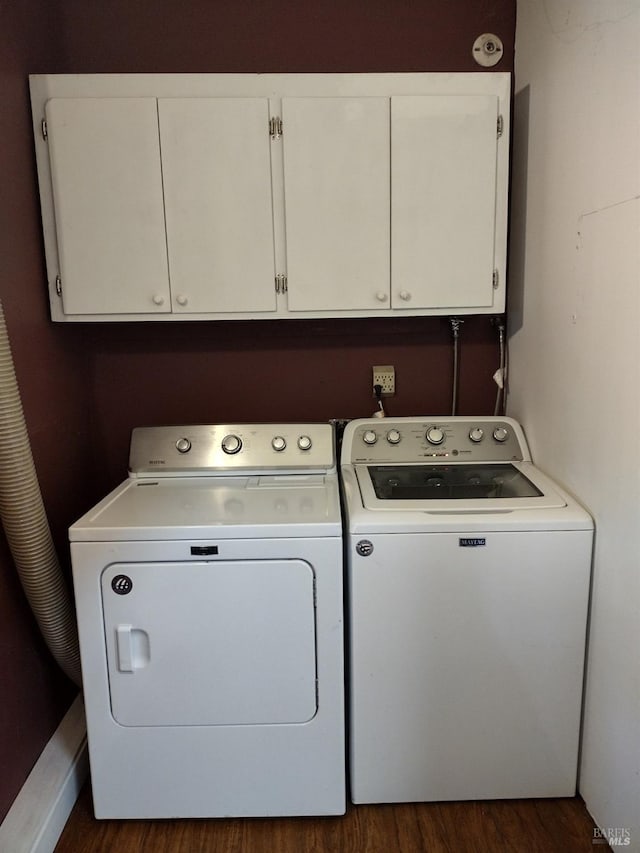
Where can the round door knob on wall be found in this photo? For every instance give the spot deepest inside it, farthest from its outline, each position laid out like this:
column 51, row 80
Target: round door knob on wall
column 182, row 300
column 369, row 437
column 278, row 443
column 157, row 299
column 381, row 296
column 231, row 444
column 500, row 434
column 183, row 445
column 304, row 442
column 434, row 435
column 393, row 436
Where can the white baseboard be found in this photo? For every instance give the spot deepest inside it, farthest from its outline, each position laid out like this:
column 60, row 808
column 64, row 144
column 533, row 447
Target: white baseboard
column 41, row 809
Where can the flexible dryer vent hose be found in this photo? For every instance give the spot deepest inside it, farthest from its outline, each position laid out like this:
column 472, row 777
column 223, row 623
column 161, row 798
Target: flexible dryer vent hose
column 26, row 526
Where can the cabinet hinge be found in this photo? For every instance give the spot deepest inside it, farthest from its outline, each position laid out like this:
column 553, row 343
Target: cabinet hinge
column 500, row 126
column 43, row 126
column 58, row 285
column 275, row 128
column 496, row 279
column 281, row 284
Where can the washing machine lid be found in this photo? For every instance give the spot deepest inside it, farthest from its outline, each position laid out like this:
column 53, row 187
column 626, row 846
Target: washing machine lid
column 175, row 508
column 456, row 488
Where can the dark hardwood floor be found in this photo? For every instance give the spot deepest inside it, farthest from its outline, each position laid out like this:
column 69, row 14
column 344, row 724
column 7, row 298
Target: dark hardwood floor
column 508, row 826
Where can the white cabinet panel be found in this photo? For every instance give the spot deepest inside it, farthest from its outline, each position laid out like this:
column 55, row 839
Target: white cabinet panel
column 443, row 200
column 109, row 215
column 217, row 185
column 220, row 643
column 163, row 196
column 336, row 183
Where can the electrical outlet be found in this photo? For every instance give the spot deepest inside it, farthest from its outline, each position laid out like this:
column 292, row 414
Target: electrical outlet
column 384, row 375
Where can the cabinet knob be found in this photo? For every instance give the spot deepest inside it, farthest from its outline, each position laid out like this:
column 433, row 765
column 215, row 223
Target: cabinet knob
column 381, row 296
column 181, row 299
column 157, row 299
column 405, row 295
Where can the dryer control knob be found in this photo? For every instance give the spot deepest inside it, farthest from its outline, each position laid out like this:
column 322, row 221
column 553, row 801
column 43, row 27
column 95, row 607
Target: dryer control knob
column 304, row 442
column 476, row 434
column 183, row 445
column 500, row 434
column 231, row 444
column 434, row 435
column 369, row 437
column 393, row 436
column 278, row 443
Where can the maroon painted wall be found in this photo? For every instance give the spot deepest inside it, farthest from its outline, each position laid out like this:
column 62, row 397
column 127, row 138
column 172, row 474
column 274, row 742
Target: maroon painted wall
column 173, row 372
column 268, row 370
column 55, row 390
column 85, row 387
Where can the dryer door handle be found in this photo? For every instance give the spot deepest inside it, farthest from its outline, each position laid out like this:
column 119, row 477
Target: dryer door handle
column 125, row 652
column 132, row 645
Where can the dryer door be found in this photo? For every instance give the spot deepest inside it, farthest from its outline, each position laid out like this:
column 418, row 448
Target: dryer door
column 220, row 643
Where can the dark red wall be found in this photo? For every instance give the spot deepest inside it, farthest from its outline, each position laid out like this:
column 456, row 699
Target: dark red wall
column 55, row 385
column 283, row 35
column 85, row 387
column 269, row 371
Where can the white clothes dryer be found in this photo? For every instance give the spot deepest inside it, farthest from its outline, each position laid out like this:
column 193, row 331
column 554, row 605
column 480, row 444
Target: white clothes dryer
column 468, row 584
column 210, row 610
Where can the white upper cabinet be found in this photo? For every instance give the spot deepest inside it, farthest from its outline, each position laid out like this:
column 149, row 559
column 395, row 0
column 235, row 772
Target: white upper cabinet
column 235, row 196
column 443, row 209
column 216, row 170
column 336, row 191
column 109, row 212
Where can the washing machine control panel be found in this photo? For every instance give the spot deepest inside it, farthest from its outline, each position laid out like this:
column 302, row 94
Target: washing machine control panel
column 205, row 448
column 454, row 439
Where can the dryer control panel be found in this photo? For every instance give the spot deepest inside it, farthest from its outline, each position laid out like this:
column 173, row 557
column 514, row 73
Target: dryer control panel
column 452, row 439
column 231, row 448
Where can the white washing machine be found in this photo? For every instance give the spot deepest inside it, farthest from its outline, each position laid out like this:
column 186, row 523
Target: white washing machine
column 468, row 585
column 209, row 600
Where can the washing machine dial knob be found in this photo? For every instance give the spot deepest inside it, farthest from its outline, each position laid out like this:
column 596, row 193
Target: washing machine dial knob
column 393, row 436
column 369, row 437
column 304, row 442
column 183, row 445
column 278, row 443
column 231, row 444
column 476, row 434
column 435, row 435
column 500, row 434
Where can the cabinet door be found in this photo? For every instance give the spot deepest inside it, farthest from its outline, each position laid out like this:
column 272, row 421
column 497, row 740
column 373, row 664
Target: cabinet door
column 336, row 177
column 217, row 184
column 443, row 200
column 109, row 214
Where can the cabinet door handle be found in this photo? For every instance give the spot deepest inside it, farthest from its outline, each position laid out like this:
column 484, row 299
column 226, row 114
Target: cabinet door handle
column 405, row 295
column 157, row 299
column 181, row 299
column 381, row 296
